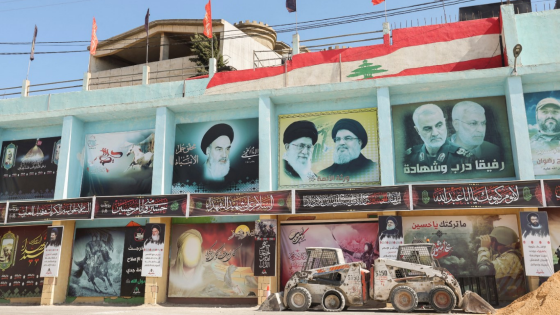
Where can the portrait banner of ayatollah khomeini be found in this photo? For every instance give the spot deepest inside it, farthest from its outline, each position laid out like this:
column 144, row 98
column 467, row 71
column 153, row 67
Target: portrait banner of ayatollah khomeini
column 328, row 149
column 216, row 156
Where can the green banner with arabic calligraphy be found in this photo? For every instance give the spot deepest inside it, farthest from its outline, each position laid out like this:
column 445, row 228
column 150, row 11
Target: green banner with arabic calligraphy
column 21, row 256
column 215, row 157
column 273, row 202
column 212, row 260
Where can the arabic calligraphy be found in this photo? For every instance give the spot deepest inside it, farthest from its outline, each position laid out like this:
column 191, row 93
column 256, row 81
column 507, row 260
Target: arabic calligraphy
column 250, row 152
column 182, row 148
column 247, row 203
column 480, row 165
column 131, row 207
column 30, row 250
column 441, row 249
column 491, row 195
column 442, row 224
column 107, row 157
column 264, row 255
column 48, row 210
column 352, row 200
column 221, row 253
column 182, row 157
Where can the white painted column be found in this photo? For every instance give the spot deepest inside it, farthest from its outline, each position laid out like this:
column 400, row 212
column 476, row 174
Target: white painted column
column 385, row 127
column 146, row 75
column 518, row 128
column 295, row 44
column 25, row 88
column 163, row 151
column 212, row 67
column 71, row 159
column 85, row 84
column 267, row 155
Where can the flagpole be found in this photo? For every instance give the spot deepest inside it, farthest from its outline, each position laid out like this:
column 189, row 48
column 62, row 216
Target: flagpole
column 28, row 67
column 444, row 14
column 296, row 21
column 385, row 10
column 147, row 43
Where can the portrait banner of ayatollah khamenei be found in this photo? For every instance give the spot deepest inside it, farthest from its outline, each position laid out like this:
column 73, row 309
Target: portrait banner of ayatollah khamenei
column 328, row 149
column 216, row 157
column 452, row 139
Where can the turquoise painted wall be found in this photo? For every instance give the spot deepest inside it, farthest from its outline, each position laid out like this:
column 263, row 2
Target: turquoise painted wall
column 539, row 34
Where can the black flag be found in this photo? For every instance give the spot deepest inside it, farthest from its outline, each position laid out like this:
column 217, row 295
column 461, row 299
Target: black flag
column 291, row 5
column 33, row 44
column 147, row 21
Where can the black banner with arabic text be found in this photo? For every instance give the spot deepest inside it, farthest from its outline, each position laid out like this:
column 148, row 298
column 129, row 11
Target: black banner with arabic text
column 354, row 199
column 141, row 206
column 552, row 192
column 274, row 202
column 49, row 210
column 478, row 195
column 266, row 232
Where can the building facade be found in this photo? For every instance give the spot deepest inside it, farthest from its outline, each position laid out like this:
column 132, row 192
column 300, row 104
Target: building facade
column 434, row 131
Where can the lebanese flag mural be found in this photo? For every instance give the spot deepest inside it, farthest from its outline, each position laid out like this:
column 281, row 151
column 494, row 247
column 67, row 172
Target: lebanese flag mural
column 418, row 50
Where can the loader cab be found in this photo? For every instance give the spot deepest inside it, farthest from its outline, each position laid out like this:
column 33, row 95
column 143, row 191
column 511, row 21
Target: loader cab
column 318, row 257
column 417, row 254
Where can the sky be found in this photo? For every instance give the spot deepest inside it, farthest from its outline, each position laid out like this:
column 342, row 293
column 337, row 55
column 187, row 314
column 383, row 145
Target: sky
column 71, row 20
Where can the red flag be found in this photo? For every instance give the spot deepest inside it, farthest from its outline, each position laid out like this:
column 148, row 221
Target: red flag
column 376, row 2
column 32, row 57
column 93, row 45
column 208, row 20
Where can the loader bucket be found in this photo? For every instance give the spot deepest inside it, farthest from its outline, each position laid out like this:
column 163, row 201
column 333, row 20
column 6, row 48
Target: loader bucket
column 273, row 303
column 473, row 303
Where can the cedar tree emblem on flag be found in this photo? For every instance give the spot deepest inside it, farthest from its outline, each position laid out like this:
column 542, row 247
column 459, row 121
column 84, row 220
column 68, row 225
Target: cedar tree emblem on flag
column 32, row 57
column 376, row 2
column 208, row 20
column 291, row 5
column 93, row 45
column 367, row 70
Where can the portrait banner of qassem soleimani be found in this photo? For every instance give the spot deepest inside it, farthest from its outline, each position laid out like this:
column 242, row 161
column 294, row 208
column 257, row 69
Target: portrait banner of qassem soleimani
column 454, row 139
column 21, row 256
column 118, row 163
column 217, row 156
column 543, row 120
column 29, row 168
column 328, row 149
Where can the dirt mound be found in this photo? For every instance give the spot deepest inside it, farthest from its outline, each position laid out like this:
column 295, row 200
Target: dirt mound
column 543, row 301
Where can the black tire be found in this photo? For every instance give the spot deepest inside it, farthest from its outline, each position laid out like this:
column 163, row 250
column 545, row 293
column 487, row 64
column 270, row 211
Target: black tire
column 333, row 301
column 442, row 299
column 404, row 299
column 299, row 299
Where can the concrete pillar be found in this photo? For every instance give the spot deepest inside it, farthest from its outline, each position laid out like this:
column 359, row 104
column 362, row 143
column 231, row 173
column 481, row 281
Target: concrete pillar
column 212, row 67
column 295, row 44
column 146, row 75
column 163, row 151
column 164, row 47
column 85, row 84
column 509, row 32
column 25, row 88
column 54, row 289
column 387, row 33
column 267, row 148
column 70, row 162
column 385, row 127
column 156, row 288
column 520, row 141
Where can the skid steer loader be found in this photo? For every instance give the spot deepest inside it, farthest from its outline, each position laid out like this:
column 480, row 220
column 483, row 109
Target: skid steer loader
column 414, row 278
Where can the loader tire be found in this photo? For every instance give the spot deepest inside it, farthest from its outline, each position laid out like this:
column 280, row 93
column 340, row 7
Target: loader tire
column 333, row 301
column 442, row 299
column 404, row 299
column 299, row 299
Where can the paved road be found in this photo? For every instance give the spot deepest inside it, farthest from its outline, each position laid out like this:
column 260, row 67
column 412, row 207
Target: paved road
column 165, row 309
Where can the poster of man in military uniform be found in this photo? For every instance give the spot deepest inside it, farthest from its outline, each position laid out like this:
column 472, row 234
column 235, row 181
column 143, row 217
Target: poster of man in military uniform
column 475, row 245
column 452, row 139
column 543, row 119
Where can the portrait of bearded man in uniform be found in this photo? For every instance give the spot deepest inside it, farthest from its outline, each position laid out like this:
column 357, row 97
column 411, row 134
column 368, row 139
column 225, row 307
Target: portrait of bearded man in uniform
column 548, row 124
column 350, row 138
column 469, row 122
column 430, row 124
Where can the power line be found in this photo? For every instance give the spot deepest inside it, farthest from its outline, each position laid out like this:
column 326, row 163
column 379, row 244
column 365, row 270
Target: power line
column 42, row 6
column 430, row 5
column 372, row 15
